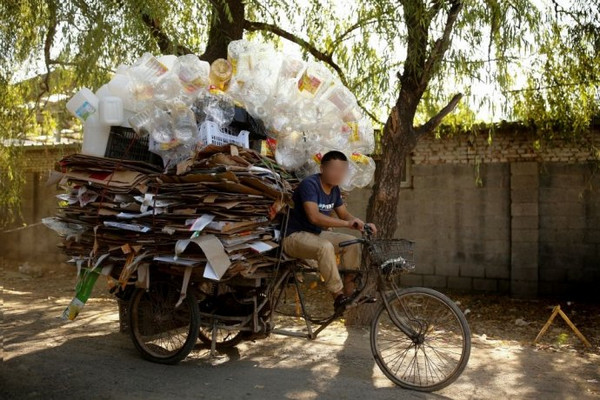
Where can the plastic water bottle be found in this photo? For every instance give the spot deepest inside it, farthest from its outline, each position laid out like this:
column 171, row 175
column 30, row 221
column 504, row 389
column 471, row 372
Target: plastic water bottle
column 84, row 288
column 192, row 72
column 160, row 127
column 291, row 150
column 315, row 79
column 184, row 123
column 234, row 50
column 364, row 169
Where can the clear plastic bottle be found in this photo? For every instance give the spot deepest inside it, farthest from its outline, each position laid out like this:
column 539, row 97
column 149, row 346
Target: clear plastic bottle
column 363, row 168
column 234, row 51
column 193, row 73
column 291, row 150
column 184, row 123
column 161, row 127
column 315, row 79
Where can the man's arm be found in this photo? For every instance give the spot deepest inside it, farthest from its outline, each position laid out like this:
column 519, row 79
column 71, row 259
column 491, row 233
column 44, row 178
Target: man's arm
column 356, row 223
column 323, row 221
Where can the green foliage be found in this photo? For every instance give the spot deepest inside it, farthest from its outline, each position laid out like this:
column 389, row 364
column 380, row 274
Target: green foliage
column 541, row 61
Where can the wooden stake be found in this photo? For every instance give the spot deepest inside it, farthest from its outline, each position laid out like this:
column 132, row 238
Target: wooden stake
column 556, row 310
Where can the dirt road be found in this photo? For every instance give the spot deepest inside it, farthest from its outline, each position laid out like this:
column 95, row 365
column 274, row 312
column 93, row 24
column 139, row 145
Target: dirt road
column 88, row 359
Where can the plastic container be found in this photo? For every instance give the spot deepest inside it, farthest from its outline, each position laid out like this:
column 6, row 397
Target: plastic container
column 234, row 50
column 120, row 86
column 184, row 123
column 314, row 80
column 193, row 73
column 220, row 73
column 103, row 92
column 84, row 290
column 84, row 104
column 210, row 133
column 110, row 110
column 95, row 136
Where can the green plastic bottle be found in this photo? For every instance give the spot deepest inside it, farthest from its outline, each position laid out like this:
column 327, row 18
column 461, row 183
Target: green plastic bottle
column 83, row 289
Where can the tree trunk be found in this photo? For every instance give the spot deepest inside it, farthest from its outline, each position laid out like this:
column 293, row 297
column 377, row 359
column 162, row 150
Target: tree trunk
column 397, row 143
column 226, row 25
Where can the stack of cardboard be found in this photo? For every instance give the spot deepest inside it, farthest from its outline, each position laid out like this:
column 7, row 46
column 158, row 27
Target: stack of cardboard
column 220, row 210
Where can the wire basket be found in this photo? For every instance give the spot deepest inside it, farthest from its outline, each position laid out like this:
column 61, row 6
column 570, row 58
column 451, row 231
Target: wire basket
column 125, row 144
column 393, row 255
column 210, row 133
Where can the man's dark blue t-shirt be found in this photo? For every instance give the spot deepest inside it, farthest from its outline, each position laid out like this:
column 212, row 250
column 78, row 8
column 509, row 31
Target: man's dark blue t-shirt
column 310, row 189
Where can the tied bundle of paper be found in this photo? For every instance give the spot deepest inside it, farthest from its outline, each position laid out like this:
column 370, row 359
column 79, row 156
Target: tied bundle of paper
column 219, row 211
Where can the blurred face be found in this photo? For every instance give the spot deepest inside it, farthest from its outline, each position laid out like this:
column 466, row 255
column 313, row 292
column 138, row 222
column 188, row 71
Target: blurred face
column 334, row 172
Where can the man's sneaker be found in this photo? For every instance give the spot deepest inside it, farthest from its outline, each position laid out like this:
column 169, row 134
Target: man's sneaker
column 341, row 301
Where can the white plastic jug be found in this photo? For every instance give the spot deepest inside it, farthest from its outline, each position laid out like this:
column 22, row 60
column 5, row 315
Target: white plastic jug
column 110, row 110
column 119, row 86
column 102, row 92
column 83, row 104
column 95, row 136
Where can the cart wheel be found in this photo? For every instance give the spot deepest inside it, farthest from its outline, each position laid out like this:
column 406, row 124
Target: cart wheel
column 161, row 332
column 225, row 338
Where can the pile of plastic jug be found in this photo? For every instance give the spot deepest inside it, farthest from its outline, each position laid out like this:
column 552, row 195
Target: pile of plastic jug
column 177, row 101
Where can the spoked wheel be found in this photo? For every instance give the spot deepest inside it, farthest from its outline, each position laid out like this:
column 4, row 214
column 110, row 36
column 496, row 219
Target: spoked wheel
column 225, row 338
column 161, row 332
column 438, row 349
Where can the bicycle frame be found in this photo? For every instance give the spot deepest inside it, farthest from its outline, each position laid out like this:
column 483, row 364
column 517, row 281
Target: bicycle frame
column 288, row 269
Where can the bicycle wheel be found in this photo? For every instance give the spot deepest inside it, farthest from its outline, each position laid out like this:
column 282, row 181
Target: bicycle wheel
column 437, row 352
column 161, row 332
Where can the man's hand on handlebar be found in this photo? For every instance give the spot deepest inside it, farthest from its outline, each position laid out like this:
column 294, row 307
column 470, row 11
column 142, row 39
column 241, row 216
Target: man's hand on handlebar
column 359, row 225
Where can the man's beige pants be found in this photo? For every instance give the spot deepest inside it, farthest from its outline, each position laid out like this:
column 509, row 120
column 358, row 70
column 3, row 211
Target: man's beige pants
column 323, row 247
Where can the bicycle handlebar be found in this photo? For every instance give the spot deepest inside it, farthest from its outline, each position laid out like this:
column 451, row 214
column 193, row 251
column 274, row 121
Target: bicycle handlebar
column 367, row 233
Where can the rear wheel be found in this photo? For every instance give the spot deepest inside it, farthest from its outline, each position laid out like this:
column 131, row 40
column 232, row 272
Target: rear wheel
column 438, row 348
column 161, row 332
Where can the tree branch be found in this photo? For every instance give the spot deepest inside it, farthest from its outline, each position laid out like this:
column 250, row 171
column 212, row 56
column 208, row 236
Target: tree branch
column 74, row 64
column 436, row 120
column 165, row 44
column 441, row 45
column 316, row 53
column 48, row 41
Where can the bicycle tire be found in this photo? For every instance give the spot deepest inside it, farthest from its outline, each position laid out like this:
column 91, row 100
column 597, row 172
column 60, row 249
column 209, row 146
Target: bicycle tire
column 438, row 379
column 155, row 322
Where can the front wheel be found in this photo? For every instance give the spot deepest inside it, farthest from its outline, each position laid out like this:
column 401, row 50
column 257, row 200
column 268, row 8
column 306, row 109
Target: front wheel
column 161, row 332
column 436, row 350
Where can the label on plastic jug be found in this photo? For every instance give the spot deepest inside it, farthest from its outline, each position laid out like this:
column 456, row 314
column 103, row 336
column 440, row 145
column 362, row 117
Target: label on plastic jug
column 309, row 83
column 194, row 85
column 351, row 128
column 85, row 110
column 359, row 158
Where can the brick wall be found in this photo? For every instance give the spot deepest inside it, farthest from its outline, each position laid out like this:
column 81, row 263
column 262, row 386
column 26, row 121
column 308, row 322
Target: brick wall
column 502, row 215
column 495, row 215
